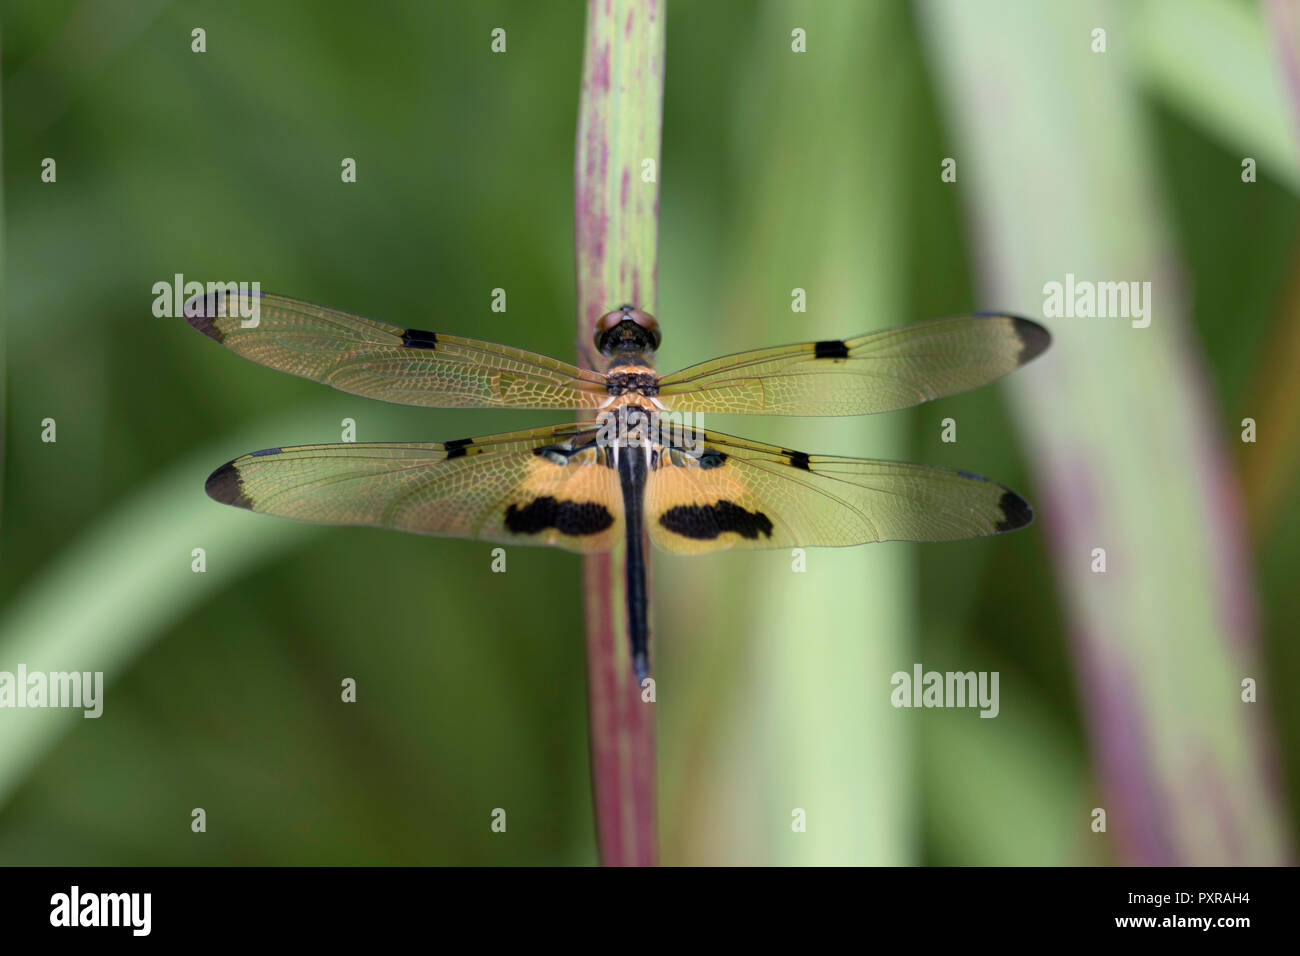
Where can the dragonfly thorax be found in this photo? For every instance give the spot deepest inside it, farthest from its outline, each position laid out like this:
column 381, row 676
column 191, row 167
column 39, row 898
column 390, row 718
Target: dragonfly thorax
column 633, row 380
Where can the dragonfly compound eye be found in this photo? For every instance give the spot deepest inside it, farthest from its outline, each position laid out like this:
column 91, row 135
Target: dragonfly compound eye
column 627, row 329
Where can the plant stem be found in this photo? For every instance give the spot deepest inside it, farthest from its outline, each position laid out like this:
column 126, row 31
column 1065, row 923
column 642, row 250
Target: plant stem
column 616, row 205
column 1129, row 450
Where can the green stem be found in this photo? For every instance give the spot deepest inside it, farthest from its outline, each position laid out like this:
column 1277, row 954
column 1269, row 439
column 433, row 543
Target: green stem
column 616, row 205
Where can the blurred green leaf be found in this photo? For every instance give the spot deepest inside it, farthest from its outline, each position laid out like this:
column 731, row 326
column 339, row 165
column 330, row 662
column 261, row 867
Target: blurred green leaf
column 1214, row 61
column 118, row 588
column 1130, row 459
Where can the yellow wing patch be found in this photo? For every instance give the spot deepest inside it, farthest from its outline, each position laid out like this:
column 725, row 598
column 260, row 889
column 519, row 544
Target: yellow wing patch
column 743, row 494
column 501, row 488
column 577, row 506
column 693, row 508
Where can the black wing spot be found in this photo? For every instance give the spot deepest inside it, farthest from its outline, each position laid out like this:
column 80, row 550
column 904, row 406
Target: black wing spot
column 706, row 522
column 712, row 458
column 799, row 459
column 1016, row 512
column 972, row 476
column 456, row 448
column 225, row 485
column 266, row 451
column 567, row 517
column 419, row 339
column 832, row 349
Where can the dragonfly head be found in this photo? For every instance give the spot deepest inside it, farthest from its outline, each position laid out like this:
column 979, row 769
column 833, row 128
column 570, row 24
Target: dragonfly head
column 627, row 331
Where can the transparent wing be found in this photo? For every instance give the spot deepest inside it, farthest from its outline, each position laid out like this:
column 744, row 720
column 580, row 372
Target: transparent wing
column 388, row 362
column 733, row 493
column 879, row 372
column 540, row 486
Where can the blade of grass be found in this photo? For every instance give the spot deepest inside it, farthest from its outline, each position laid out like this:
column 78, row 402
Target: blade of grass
column 1269, row 467
column 1284, row 20
column 1116, row 419
column 788, row 703
column 117, row 589
column 616, row 232
column 1215, row 63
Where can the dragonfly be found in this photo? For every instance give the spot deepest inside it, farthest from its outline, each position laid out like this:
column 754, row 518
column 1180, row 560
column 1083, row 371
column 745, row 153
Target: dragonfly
column 627, row 469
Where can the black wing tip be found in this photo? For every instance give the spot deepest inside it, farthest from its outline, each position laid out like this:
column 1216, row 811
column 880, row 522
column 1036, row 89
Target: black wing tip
column 225, row 485
column 1034, row 338
column 201, row 309
column 1016, row 512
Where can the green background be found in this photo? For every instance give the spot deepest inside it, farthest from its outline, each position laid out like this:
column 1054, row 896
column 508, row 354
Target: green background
column 779, row 170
